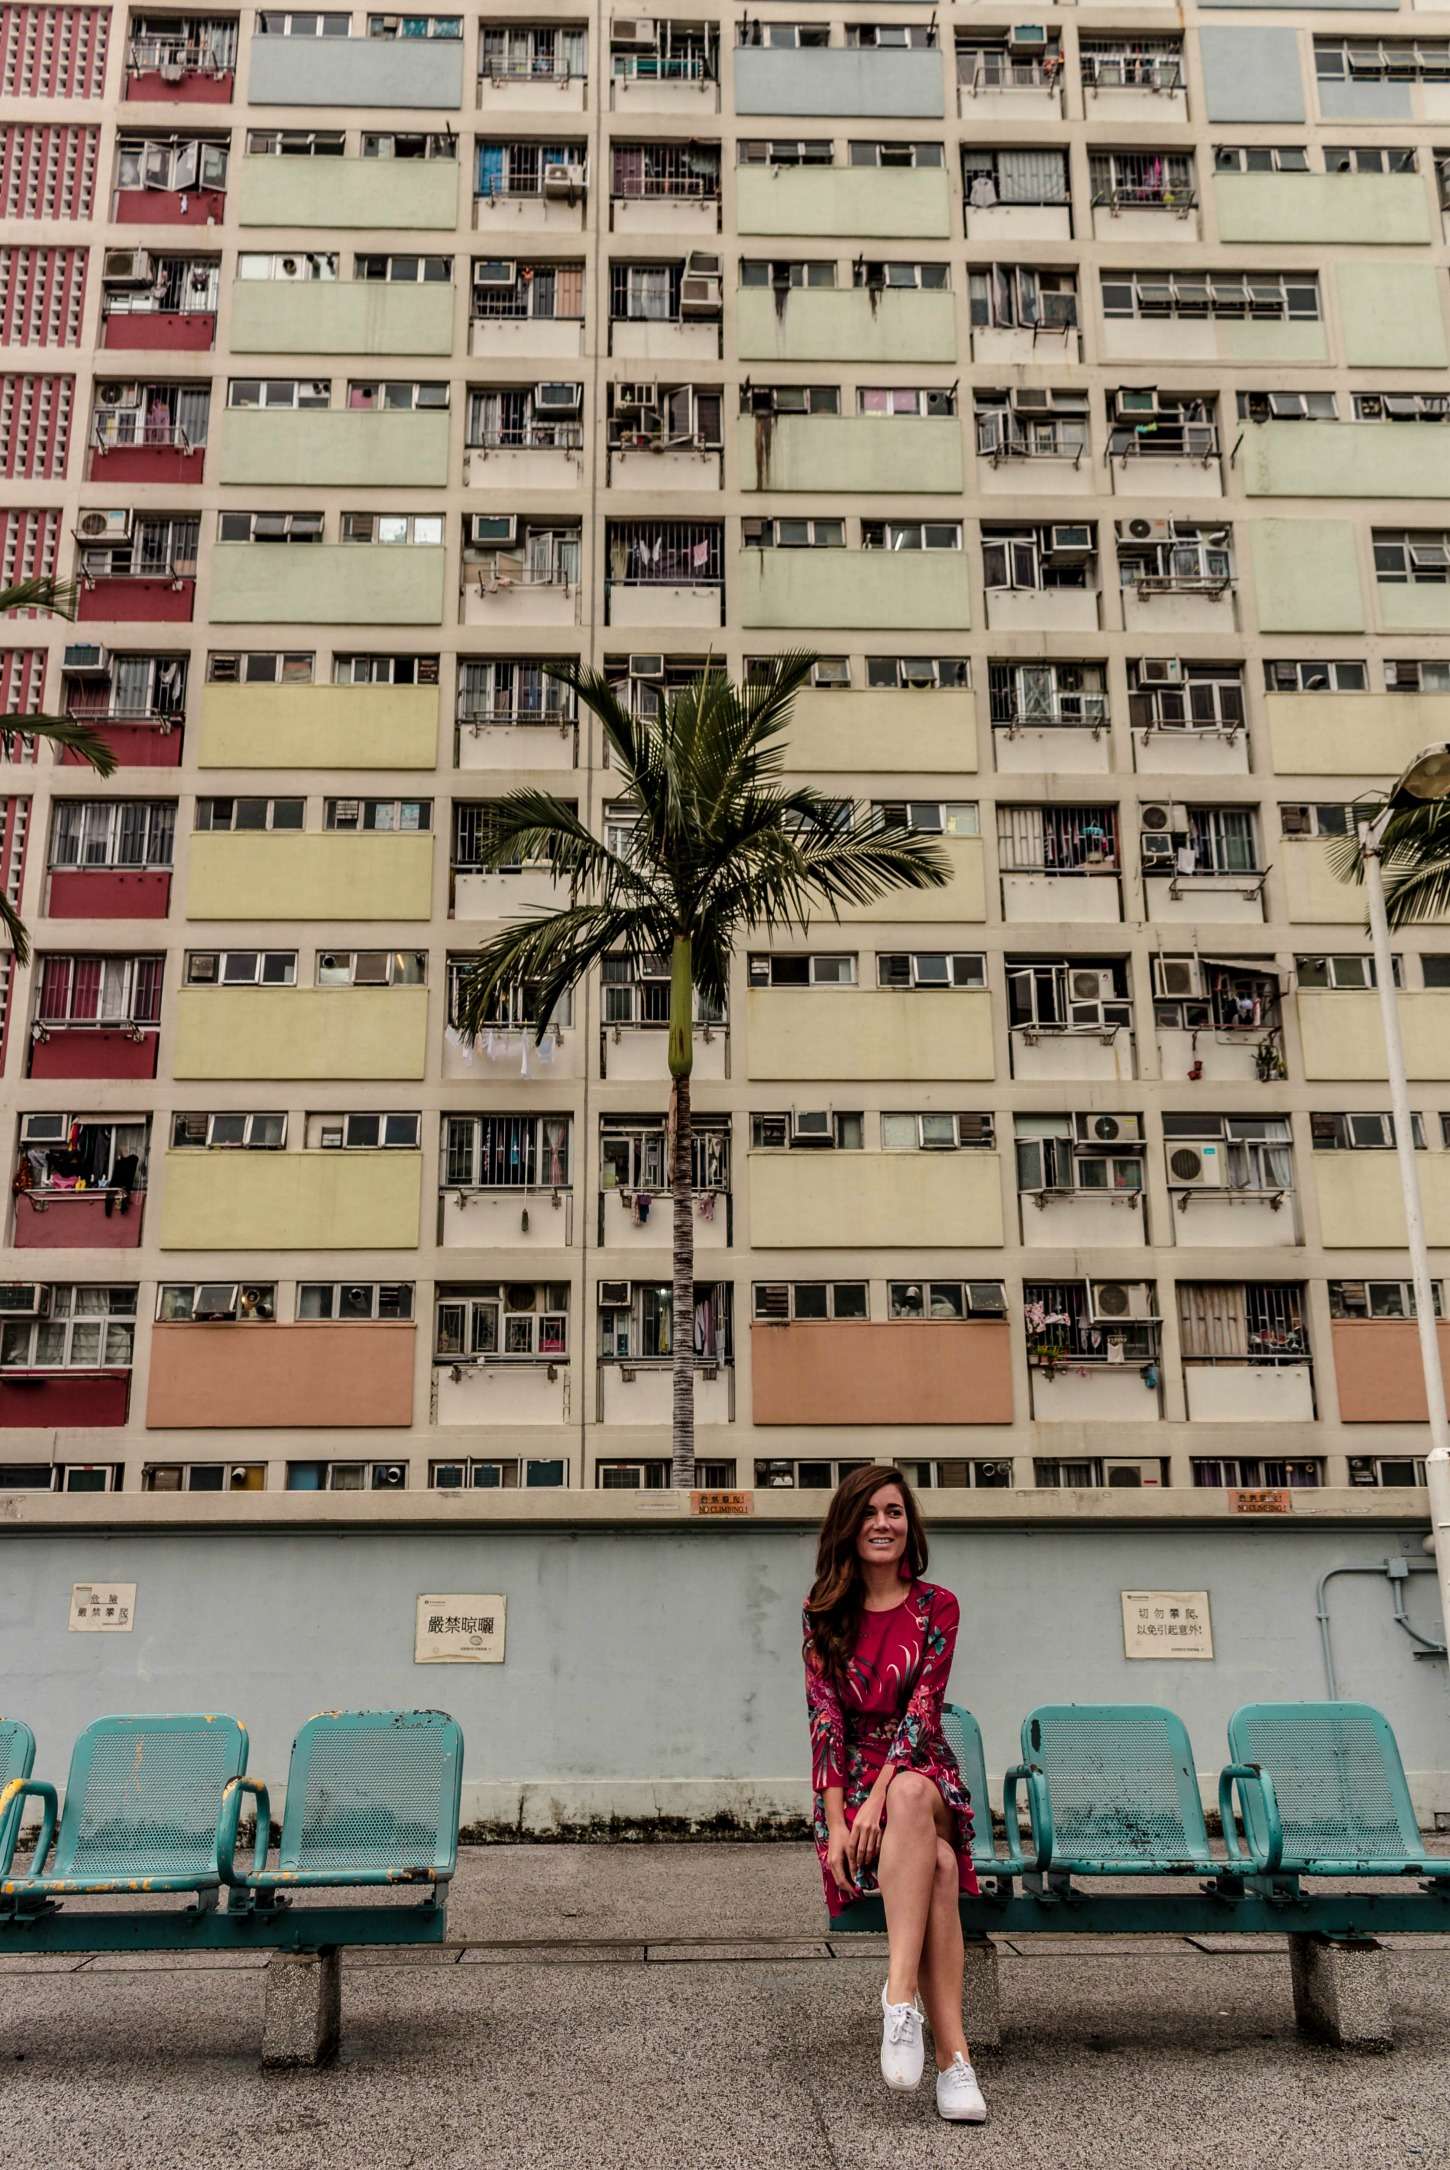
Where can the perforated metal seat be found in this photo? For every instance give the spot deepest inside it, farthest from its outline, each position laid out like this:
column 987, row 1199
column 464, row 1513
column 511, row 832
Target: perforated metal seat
column 1339, row 1784
column 964, row 1738
column 17, row 1755
column 1122, row 1789
column 372, row 1798
column 141, row 1807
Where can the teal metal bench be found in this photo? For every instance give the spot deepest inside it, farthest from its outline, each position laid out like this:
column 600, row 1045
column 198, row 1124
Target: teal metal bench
column 1329, row 1797
column 17, row 1758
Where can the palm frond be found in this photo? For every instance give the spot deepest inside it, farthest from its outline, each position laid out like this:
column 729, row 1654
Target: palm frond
column 69, row 733
column 525, row 825
column 634, row 741
column 550, row 953
column 1414, row 856
column 41, row 592
column 14, row 926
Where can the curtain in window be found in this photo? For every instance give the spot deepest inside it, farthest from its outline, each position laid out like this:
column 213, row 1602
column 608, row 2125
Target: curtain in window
column 1212, row 1320
column 1032, row 176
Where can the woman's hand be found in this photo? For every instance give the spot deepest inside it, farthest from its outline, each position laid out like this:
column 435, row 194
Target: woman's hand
column 865, row 1840
column 838, row 1860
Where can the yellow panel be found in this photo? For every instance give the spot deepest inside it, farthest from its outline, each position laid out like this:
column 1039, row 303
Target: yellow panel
column 883, row 732
column 864, row 1033
column 1341, row 1038
column 864, row 1201
column 284, row 876
column 1353, row 734
column 303, row 1032
column 1359, row 1200
column 334, row 1201
column 963, row 898
column 318, row 727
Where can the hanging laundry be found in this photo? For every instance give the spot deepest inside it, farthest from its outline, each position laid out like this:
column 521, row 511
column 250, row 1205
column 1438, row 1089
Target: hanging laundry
column 707, row 1202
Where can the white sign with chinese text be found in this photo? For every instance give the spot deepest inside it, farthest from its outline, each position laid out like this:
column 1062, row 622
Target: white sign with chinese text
column 1166, row 1624
column 459, row 1631
column 102, row 1608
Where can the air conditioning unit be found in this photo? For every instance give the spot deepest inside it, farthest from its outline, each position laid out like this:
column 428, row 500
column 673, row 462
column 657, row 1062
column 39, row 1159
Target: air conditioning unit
column 389, row 1476
column 495, row 271
column 563, row 180
column 1160, row 853
column 632, row 30
column 1089, row 984
column 172, row 71
column 291, row 267
column 19, row 1299
column 704, row 264
column 1156, row 814
column 116, row 398
column 1160, row 671
column 1371, row 407
column 986, row 1300
column 1122, row 1475
column 1178, row 979
column 122, row 268
column 558, row 398
column 614, row 1295
column 1110, row 1302
column 1197, row 1167
column 700, row 294
column 1027, row 38
column 635, row 395
column 1075, row 541
column 1028, row 399
column 44, row 1129
column 113, row 525
column 1108, row 1129
column 811, row 1126
column 1146, row 531
column 1059, row 311
column 496, row 528
column 647, row 666
column 1135, row 404
column 1296, row 821
column 86, row 659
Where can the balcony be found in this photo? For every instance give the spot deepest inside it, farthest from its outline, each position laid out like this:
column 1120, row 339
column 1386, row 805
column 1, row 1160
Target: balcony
column 158, row 331
column 1048, row 1053
column 839, row 82
column 991, row 85
column 170, row 207
column 513, row 590
column 875, row 730
column 1222, row 899
column 1377, row 1370
column 1075, row 1393
column 496, row 896
column 904, row 590
column 914, row 456
column 1167, row 458
column 1048, row 896
column 1083, row 1219
column 136, row 598
column 341, row 316
column 301, row 1032
column 504, row 1052
column 490, row 1397
column 104, row 1051
column 109, row 893
column 530, row 456
column 1329, row 734
column 63, row 1400
column 543, row 338
column 1162, row 607
column 366, row 584
column 534, row 90
column 875, row 1201
column 155, row 452
column 166, row 69
column 1339, row 1034
column 636, row 1054
column 846, row 324
column 856, row 203
column 679, row 78
column 1239, row 1391
column 1389, row 209
column 323, row 1201
column 683, row 206
column 639, row 1390
column 318, row 727
column 276, row 875
column 337, row 448
column 78, row 1220
column 1345, row 459
column 1360, row 1207
column 1043, row 610
column 867, row 1034
column 409, row 195
column 233, row 1377
column 399, row 73
column 510, row 1218
column 621, row 1228
column 507, row 740
column 900, row 1371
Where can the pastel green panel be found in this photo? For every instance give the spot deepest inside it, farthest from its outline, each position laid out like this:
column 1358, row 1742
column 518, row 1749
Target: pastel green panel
column 1354, row 207
column 908, row 590
column 1391, row 315
column 1345, row 459
column 1412, row 606
column 1306, row 576
column 340, row 316
column 337, row 448
column 846, row 324
column 917, row 454
column 862, row 202
column 392, row 194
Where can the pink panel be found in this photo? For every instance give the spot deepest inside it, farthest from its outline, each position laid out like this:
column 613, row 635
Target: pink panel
column 146, row 463
column 147, row 85
column 110, row 893
column 893, row 1372
column 138, row 746
column 78, row 1221
column 193, row 333
column 261, row 1377
column 123, row 601
column 90, row 1051
column 160, row 207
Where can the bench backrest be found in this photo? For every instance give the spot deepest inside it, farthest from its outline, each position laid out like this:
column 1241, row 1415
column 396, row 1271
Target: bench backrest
column 374, row 1791
column 144, row 1795
column 964, row 1738
column 1122, row 1783
column 1338, row 1778
column 17, row 1757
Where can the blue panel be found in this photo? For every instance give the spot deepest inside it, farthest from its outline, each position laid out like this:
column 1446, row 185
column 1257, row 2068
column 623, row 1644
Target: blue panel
column 1251, row 74
column 1366, row 101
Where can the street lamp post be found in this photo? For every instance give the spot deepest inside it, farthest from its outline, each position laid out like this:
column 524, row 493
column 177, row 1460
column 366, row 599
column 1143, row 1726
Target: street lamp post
column 1427, row 777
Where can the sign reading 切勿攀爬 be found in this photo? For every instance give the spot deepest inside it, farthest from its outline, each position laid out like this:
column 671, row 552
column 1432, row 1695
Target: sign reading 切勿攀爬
column 1166, row 1624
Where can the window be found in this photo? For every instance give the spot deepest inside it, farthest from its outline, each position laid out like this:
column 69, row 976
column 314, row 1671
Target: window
column 780, row 1301
column 160, row 547
column 1400, row 406
column 258, row 1133
column 505, row 1152
column 783, row 273
column 1087, row 994
column 635, row 1321
column 204, row 1477
column 926, row 1133
column 1287, row 407
column 1047, row 696
column 1062, row 556
column 1020, row 297
column 1429, row 676
column 876, row 276
column 1337, row 1132
column 473, row 1476
column 347, row 1476
column 1170, row 694
column 790, row 399
column 1120, row 63
column 511, row 690
column 294, row 142
column 269, row 527
column 930, row 968
column 1315, row 820
column 396, row 396
column 90, row 990
column 412, row 144
column 1339, row 973
column 363, row 1133
column 241, row 968
column 1219, row 840
column 788, row 35
column 1232, row 1152
column 1378, row 1299
column 896, row 154
column 1260, row 1322
column 372, row 670
column 275, row 23
column 1322, row 674
column 308, row 264
column 1378, row 60
column 519, row 1320
column 210, row 1303
column 1369, row 158
column 519, row 417
column 905, row 400
column 1263, row 296
column 1196, row 561
column 789, row 534
column 237, row 814
column 1260, row 158
column 828, row 968
column 1435, row 970
column 394, row 816
column 929, row 817
column 919, row 673
column 424, row 528
column 808, row 1127
column 632, row 1155
column 404, row 270
column 991, row 178
column 258, row 667
column 636, row 991
column 787, row 151
column 517, row 1010
column 174, row 164
column 554, row 51
column 1251, row 1472
column 1064, row 1326
column 279, row 392
column 911, row 535
column 1420, row 556
column 112, row 832
column 78, row 1328
column 945, row 1299
column 415, row 26
column 354, row 1299
column 1142, row 180
column 1081, row 1152
column 372, row 967
column 518, row 169
column 656, row 1477
column 57, row 1149
column 1057, row 839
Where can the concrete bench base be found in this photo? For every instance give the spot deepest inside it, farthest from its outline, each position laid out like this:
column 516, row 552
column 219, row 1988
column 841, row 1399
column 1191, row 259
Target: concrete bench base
column 303, row 2016
column 982, row 2008
column 1341, row 1991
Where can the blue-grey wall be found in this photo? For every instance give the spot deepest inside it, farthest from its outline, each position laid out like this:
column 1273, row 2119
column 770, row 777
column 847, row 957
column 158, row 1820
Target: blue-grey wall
column 357, row 71
column 1251, row 74
column 658, row 1671
column 838, row 82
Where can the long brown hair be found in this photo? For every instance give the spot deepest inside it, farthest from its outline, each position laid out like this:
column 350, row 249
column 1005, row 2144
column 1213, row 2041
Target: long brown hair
column 838, row 1592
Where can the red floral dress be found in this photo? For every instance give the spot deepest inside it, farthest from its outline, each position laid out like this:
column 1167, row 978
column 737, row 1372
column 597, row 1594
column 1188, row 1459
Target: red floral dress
column 890, row 1713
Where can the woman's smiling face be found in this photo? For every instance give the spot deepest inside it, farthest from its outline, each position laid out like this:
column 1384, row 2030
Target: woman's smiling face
column 881, row 1539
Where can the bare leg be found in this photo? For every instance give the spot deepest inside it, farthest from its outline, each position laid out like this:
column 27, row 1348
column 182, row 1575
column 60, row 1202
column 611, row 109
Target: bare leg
column 943, row 1962
column 905, row 1873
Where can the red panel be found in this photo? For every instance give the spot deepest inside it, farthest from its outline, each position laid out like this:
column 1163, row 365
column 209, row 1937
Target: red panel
column 78, row 1221
column 147, row 84
column 53, row 52
column 40, row 1400
column 14, row 832
column 161, row 207
column 123, row 601
column 146, row 463
column 110, row 893
column 48, row 173
column 136, row 745
column 192, row 333
column 35, row 419
column 92, row 1051
column 42, row 297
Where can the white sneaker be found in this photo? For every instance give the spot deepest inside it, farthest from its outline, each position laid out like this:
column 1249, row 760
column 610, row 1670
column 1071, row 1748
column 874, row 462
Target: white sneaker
column 958, row 2096
column 902, row 2052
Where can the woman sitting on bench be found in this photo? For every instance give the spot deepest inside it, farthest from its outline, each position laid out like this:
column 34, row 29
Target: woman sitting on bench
column 891, row 1812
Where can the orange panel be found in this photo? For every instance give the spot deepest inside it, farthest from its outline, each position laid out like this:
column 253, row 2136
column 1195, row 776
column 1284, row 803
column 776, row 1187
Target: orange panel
column 1377, row 1370
column 904, row 1372
column 218, row 1378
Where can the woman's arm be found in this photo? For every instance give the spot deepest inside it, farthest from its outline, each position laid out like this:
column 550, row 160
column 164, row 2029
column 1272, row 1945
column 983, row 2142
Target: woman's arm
column 921, row 1719
column 828, row 1761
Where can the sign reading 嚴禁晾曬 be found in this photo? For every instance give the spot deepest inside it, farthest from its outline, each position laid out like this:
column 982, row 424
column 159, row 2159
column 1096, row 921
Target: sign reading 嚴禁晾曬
column 459, row 1631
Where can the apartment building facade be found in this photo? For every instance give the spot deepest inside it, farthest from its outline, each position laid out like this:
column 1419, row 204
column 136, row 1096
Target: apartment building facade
column 1075, row 390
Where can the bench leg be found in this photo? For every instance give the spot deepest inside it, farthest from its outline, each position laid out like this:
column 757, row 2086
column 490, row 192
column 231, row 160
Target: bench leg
column 303, row 2018
column 982, row 2014
column 1341, row 1991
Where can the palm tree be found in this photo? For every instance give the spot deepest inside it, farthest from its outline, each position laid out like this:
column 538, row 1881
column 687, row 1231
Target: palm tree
column 57, row 597
column 1415, row 857
column 719, row 846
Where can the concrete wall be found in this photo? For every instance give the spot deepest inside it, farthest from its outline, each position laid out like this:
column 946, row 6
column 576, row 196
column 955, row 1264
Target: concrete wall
column 393, row 72
column 906, row 589
column 280, row 875
column 838, row 83
column 1345, row 459
column 917, row 455
column 867, row 1032
column 593, row 1713
column 1306, row 573
column 327, row 583
column 337, row 448
column 1251, row 74
column 1392, row 315
column 340, row 316
column 859, row 1201
column 300, row 1032
column 1341, row 1038
column 815, row 324
column 864, row 202
column 1352, row 734
column 1363, row 208
column 382, row 193
column 319, row 727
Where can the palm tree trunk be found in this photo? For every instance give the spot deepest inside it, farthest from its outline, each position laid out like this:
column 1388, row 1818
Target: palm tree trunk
column 682, row 1308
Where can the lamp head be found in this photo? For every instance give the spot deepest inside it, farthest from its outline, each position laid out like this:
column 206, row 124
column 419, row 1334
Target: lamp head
column 1427, row 777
